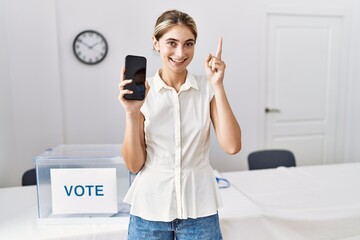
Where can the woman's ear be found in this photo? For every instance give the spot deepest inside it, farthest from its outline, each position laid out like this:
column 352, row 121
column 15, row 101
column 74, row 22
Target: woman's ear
column 156, row 44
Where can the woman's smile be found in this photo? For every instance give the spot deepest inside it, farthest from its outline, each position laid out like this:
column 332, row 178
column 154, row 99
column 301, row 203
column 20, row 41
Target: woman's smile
column 178, row 61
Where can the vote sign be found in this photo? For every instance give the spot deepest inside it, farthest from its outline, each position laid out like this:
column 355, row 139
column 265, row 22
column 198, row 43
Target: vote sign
column 83, row 190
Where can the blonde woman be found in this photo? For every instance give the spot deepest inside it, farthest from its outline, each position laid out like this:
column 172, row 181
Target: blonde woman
column 166, row 141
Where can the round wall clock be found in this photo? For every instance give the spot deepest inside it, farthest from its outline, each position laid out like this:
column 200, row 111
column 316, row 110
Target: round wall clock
column 90, row 47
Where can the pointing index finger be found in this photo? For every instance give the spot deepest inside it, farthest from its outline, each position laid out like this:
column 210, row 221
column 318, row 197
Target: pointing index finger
column 219, row 49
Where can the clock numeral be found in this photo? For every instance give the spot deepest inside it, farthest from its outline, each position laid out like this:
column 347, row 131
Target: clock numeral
column 79, row 53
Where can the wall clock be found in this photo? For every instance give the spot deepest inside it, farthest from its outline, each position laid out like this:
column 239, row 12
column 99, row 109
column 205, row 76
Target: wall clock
column 90, row 47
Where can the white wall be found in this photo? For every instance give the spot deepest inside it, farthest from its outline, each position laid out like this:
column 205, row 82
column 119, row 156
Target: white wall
column 47, row 97
column 352, row 149
column 5, row 104
column 31, row 116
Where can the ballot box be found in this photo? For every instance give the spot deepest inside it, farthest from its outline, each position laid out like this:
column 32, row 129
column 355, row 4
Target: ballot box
column 82, row 181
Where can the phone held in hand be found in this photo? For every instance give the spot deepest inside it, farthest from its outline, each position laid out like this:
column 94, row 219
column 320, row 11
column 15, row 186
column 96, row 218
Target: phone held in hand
column 135, row 69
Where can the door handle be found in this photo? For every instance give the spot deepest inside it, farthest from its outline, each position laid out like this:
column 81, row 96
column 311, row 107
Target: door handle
column 272, row 110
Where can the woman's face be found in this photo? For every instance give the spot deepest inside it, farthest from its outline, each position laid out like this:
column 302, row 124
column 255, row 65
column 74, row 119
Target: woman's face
column 176, row 48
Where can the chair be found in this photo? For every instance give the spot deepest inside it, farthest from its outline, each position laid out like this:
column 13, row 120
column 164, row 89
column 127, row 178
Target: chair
column 29, row 177
column 271, row 158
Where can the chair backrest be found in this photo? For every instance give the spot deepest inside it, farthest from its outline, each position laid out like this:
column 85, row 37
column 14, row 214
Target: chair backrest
column 271, row 158
column 29, row 177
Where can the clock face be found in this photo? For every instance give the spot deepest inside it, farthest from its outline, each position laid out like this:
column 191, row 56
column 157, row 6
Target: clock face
column 90, row 47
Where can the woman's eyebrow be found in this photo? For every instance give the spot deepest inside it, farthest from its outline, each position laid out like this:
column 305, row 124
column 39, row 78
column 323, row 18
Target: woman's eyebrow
column 176, row 40
column 172, row 39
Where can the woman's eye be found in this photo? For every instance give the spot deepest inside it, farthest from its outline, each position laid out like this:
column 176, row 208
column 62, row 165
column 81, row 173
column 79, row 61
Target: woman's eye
column 189, row 44
column 172, row 44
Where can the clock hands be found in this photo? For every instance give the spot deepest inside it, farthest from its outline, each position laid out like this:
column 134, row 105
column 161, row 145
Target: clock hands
column 88, row 46
column 91, row 47
column 84, row 43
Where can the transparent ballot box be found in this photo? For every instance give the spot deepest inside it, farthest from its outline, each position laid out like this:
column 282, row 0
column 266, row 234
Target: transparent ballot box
column 82, row 181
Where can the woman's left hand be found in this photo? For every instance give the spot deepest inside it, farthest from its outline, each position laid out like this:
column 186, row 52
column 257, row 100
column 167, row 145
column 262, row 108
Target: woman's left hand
column 215, row 67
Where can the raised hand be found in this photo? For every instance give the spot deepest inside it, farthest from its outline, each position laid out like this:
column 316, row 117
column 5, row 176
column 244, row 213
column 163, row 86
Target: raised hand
column 215, row 67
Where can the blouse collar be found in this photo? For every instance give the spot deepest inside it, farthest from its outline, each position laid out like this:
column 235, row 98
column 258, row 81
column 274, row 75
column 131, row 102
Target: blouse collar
column 190, row 82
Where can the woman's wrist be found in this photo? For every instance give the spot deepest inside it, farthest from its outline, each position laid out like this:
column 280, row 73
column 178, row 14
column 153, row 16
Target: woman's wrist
column 218, row 87
column 132, row 115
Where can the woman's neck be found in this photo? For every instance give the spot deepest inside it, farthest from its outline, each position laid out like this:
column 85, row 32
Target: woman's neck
column 173, row 79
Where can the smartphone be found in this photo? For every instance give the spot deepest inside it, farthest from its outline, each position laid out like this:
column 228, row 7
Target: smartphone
column 135, row 69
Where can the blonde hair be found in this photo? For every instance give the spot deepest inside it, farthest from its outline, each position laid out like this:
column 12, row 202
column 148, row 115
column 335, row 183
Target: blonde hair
column 171, row 18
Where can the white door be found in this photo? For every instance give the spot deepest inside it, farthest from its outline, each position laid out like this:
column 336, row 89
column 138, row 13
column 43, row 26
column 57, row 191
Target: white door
column 303, row 74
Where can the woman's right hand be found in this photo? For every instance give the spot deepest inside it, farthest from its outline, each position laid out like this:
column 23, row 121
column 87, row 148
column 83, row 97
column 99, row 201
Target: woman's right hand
column 130, row 106
column 133, row 148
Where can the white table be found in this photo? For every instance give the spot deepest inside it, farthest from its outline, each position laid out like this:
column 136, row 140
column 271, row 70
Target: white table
column 304, row 203
column 18, row 218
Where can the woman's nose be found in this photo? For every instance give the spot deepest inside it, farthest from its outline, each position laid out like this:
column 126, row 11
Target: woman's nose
column 179, row 51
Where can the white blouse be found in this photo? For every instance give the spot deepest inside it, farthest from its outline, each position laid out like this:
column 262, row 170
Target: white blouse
column 177, row 181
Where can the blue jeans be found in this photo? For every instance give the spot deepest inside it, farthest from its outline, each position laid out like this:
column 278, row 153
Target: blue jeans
column 204, row 228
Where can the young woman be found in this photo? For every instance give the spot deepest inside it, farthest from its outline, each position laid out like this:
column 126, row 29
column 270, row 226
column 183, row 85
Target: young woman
column 166, row 142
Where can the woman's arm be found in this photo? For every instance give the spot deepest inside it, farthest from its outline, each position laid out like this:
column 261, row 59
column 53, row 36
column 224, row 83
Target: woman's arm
column 227, row 129
column 133, row 149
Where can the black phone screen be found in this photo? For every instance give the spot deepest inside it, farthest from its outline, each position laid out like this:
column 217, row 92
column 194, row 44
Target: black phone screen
column 135, row 69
